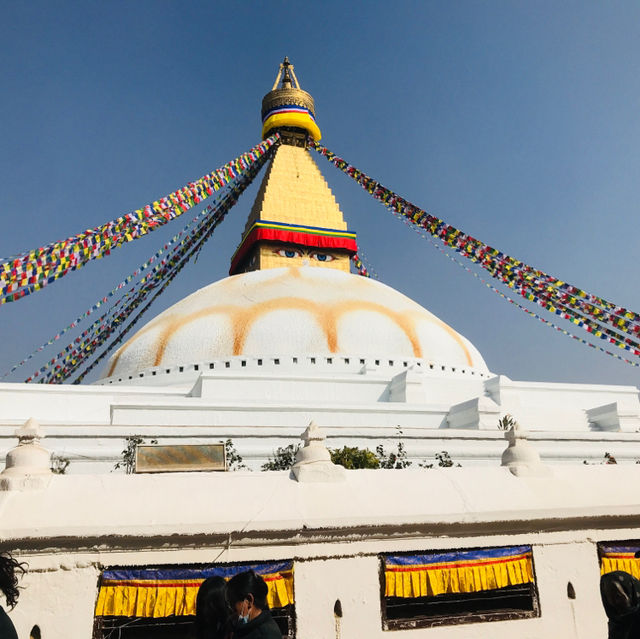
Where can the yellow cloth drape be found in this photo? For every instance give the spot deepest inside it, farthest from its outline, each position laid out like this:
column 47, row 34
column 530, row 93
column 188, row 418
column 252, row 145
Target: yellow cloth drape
column 299, row 120
column 149, row 598
column 425, row 582
column 625, row 563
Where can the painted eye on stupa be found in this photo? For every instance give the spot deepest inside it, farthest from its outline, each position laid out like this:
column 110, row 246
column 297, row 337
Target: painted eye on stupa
column 288, row 253
column 321, row 257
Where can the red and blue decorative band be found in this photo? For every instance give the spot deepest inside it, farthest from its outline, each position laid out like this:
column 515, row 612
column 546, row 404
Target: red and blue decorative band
column 458, row 559
column 287, row 108
column 293, row 234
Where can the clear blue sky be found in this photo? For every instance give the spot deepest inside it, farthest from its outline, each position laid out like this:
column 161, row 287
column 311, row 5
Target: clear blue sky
column 518, row 122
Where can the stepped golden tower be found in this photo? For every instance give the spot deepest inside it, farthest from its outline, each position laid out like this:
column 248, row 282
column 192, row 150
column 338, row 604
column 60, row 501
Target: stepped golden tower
column 295, row 219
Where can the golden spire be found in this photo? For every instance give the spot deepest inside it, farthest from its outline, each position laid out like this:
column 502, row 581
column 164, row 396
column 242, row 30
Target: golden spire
column 295, row 219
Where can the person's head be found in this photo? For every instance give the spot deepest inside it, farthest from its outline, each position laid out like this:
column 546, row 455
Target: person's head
column 212, row 609
column 247, row 594
column 620, row 593
column 9, row 570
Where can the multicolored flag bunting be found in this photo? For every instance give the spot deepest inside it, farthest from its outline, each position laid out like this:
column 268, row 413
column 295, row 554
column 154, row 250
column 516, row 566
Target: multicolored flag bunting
column 602, row 319
column 114, row 291
column 357, row 262
column 36, row 269
column 505, row 297
column 77, row 353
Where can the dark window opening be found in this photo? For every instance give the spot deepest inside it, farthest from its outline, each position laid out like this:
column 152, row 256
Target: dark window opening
column 511, row 602
column 174, row 627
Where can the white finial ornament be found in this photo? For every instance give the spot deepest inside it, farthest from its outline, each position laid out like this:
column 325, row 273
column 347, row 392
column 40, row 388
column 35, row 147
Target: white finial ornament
column 28, row 462
column 520, row 457
column 313, row 460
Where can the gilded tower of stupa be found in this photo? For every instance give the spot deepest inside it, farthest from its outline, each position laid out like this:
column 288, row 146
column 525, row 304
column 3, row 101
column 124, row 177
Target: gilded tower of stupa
column 295, row 219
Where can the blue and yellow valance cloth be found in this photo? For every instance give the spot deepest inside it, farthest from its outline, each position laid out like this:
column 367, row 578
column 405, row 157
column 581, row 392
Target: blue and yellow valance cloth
column 457, row 572
column 293, row 115
column 613, row 557
column 163, row 592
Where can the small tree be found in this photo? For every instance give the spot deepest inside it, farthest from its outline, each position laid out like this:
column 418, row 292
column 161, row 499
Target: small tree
column 128, row 461
column 283, row 458
column 444, row 460
column 234, row 459
column 352, row 457
column 397, row 459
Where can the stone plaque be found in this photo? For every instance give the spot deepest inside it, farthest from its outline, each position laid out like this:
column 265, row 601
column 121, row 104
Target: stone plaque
column 180, row 458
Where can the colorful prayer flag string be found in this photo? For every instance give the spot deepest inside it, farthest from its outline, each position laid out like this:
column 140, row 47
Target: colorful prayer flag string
column 36, row 269
column 506, row 297
column 363, row 265
column 583, row 309
column 82, row 348
column 103, row 300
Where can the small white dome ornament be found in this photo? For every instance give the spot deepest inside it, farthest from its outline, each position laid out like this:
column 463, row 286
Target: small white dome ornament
column 28, row 463
column 313, row 460
column 520, row 457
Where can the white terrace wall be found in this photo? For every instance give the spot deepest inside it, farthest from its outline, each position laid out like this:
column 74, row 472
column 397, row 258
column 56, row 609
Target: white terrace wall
column 68, row 528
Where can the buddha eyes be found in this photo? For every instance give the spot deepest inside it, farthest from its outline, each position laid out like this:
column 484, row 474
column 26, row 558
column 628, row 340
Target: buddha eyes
column 289, row 253
column 321, row 257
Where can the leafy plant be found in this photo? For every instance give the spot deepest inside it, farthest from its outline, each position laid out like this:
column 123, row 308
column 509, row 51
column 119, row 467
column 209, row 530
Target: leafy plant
column 59, row 464
column 283, row 458
column 234, row 459
column 444, row 461
column 395, row 459
column 506, row 423
column 352, row 457
column 128, row 460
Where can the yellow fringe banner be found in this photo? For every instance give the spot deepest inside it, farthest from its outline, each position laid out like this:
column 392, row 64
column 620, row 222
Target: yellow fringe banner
column 164, row 597
column 619, row 558
column 463, row 571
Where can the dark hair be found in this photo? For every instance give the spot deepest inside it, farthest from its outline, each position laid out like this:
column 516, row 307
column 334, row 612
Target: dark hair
column 212, row 609
column 9, row 579
column 246, row 583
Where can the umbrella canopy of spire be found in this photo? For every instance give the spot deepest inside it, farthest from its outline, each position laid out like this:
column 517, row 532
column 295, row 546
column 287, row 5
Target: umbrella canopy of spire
column 288, row 109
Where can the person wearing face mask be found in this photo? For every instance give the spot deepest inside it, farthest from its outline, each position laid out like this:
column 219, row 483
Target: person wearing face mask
column 621, row 600
column 247, row 595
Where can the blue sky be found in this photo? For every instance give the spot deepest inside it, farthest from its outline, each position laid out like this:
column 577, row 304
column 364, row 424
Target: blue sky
column 517, row 122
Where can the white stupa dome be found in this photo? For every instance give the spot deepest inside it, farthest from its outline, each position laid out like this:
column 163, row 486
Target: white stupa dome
column 295, row 311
